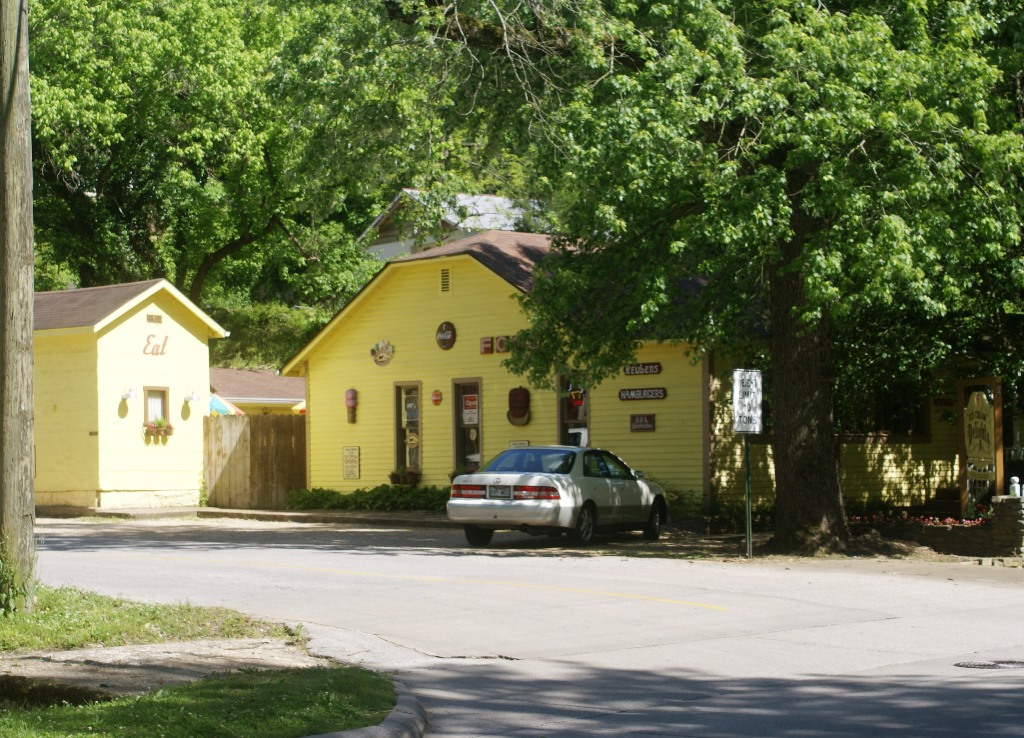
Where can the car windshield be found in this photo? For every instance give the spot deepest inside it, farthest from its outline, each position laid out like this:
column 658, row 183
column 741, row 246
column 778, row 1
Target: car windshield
column 526, row 460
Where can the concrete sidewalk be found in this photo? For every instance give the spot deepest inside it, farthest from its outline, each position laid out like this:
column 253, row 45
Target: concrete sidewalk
column 403, row 518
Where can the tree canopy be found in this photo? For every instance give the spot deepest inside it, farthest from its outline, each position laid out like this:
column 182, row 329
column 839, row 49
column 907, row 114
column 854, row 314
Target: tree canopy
column 840, row 180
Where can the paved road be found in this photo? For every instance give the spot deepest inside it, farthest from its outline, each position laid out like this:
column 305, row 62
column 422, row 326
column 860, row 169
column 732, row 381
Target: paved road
column 529, row 639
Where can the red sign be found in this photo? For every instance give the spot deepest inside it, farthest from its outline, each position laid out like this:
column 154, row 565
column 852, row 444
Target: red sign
column 470, row 409
column 435, row 397
column 494, row 345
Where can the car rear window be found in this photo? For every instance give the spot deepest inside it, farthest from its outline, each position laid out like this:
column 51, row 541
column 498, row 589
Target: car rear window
column 532, row 460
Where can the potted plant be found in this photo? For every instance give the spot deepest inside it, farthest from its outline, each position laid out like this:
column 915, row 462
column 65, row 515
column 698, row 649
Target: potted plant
column 412, row 477
column 398, row 475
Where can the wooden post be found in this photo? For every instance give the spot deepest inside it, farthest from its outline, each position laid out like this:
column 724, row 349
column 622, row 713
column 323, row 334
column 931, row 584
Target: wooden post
column 17, row 503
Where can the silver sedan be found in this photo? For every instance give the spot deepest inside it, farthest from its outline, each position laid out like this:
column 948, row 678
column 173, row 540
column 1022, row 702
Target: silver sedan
column 556, row 489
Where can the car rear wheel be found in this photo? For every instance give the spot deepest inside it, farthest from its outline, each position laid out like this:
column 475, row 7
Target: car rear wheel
column 583, row 533
column 652, row 531
column 478, row 537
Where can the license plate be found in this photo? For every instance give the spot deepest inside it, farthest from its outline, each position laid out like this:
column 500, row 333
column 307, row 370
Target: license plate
column 499, row 492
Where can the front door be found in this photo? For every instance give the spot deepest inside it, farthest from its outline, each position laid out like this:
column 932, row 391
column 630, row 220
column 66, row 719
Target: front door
column 467, row 426
column 408, row 438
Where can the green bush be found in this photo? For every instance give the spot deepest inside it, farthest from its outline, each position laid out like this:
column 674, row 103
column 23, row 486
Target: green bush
column 384, row 498
column 684, row 505
column 12, row 590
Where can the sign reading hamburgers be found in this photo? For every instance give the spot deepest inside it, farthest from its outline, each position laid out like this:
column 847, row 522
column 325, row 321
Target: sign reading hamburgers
column 647, row 393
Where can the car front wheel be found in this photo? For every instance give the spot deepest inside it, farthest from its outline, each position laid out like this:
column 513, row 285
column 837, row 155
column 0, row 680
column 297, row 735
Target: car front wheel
column 583, row 533
column 478, row 537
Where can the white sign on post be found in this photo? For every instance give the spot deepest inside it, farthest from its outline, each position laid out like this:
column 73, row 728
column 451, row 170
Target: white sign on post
column 746, row 401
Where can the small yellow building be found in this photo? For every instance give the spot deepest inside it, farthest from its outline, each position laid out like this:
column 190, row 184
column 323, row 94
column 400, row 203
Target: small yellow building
column 121, row 387
column 408, row 377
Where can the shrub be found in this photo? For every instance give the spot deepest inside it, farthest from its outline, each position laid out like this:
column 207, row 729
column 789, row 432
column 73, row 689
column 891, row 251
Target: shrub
column 384, row 498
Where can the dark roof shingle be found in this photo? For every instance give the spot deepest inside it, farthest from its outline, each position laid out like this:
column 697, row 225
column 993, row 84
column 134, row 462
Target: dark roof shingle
column 86, row 306
column 241, row 385
column 511, row 255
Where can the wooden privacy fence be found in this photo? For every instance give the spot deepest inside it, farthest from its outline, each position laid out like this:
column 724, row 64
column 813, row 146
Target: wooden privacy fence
column 252, row 461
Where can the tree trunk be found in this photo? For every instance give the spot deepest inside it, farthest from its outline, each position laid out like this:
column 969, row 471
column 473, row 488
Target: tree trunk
column 809, row 507
column 17, row 504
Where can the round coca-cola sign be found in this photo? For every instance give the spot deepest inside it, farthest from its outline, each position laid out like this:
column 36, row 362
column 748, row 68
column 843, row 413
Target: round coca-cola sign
column 446, row 335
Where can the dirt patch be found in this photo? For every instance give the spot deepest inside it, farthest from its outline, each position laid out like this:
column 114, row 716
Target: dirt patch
column 42, row 677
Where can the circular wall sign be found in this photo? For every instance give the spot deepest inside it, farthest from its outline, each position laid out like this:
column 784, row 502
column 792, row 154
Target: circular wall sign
column 446, row 335
column 435, row 397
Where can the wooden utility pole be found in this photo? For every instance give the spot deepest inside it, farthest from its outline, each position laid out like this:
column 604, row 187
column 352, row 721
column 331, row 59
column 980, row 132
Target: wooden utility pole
column 17, row 503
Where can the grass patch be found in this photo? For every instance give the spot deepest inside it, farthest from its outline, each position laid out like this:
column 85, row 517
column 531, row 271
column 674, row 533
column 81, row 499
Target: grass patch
column 282, row 703
column 287, row 703
column 68, row 618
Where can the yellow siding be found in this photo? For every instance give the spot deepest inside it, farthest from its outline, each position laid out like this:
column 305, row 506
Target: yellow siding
column 66, row 420
column 130, row 356
column 256, row 408
column 673, row 454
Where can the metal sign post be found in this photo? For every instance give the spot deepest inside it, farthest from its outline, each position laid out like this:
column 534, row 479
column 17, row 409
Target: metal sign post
column 746, row 419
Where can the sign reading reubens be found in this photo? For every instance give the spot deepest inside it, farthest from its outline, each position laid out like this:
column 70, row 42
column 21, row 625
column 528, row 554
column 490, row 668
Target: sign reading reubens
column 446, row 335
column 646, row 393
column 651, row 367
column 641, row 423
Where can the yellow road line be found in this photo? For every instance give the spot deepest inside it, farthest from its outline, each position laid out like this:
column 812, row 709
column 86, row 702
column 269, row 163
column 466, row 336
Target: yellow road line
column 449, row 580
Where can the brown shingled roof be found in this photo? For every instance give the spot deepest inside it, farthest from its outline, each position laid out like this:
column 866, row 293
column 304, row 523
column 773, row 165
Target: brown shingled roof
column 511, row 255
column 256, row 385
column 86, row 306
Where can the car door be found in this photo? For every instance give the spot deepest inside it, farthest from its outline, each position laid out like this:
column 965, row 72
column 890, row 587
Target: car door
column 595, row 485
column 626, row 495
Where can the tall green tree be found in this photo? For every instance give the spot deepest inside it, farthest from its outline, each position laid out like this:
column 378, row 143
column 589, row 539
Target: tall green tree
column 823, row 184
column 165, row 146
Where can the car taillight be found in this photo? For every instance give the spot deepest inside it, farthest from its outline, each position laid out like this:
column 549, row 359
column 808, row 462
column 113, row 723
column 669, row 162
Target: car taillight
column 534, row 492
column 468, row 490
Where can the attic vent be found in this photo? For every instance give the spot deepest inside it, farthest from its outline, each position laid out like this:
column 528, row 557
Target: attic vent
column 446, row 280
column 154, row 319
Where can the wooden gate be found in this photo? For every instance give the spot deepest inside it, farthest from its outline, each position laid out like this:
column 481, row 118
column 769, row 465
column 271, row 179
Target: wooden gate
column 252, row 461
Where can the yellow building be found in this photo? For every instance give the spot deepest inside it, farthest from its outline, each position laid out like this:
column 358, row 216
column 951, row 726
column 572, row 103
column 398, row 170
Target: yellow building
column 121, row 387
column 409, row 376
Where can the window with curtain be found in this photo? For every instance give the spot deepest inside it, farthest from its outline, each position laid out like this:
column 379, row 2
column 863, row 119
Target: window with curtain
column 156, row 404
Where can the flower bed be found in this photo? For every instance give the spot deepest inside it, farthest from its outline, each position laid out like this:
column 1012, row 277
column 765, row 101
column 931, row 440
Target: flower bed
column 999, row 532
